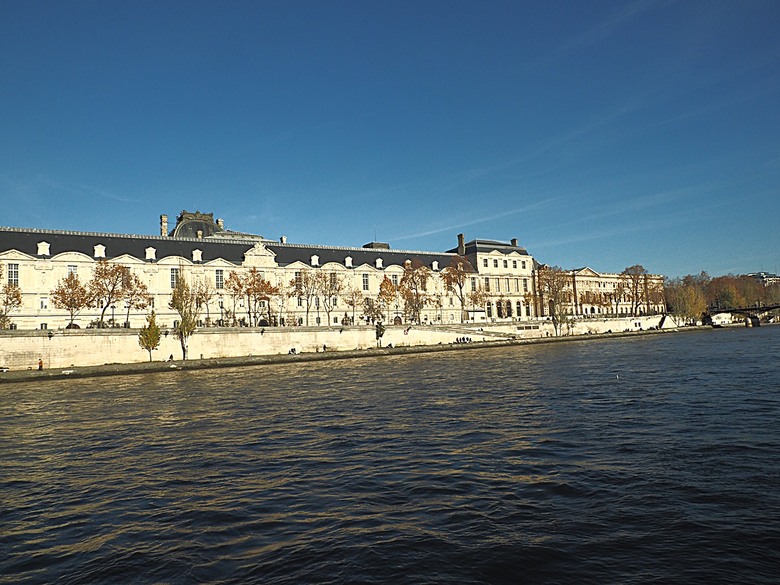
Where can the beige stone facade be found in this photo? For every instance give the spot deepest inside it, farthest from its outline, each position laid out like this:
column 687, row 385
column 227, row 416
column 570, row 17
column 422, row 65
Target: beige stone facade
column 199, row 249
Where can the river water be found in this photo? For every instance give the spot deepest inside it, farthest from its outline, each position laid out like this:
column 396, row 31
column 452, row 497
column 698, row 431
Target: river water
column 652, row 459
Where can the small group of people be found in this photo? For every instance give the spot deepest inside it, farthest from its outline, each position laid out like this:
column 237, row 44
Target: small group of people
column 463, row 340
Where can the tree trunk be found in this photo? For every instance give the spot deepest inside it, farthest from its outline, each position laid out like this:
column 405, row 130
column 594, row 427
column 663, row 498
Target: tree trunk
column 183, row 347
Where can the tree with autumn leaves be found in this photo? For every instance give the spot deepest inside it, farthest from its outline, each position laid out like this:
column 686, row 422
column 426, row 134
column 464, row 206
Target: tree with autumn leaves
column 70, row 294
column 110, row 284
column 414, row 289
column 455, row 277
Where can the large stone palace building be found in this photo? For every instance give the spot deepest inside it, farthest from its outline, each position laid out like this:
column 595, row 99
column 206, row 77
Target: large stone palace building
column 500, row 281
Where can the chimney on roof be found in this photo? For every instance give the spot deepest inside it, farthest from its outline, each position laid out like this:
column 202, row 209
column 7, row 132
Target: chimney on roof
column 163, row 225
column 283, row 239
column 513, row 241
column 221, row 223
column 461, row 245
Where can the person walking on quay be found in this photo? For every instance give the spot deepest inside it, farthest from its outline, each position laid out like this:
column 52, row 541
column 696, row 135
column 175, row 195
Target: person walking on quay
column 40, row 364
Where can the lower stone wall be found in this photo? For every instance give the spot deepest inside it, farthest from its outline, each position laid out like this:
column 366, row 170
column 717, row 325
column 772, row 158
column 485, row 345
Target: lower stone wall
column 21, row 350
column 65, row 348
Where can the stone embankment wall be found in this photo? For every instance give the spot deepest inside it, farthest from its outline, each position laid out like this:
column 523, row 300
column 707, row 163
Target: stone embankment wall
column 21, row 350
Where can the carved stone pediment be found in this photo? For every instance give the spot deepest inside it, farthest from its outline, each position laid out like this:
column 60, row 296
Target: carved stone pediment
column 259, row 255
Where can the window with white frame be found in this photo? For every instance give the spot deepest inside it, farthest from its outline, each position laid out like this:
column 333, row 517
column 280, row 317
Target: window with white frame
column 44, row 303
column 394, row 279
column 13, row 274
column 365, row 282
column 525, row 285
column 174, row 277
column 485, row 262
column 73, row 269
column 219, row 281
column 473, row 283
column 487, row 284
column 495, row 262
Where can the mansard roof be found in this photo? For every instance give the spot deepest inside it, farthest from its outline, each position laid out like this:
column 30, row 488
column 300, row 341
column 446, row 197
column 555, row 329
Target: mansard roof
column 487, row 246
column 219, row 246
column 290, row 253
column 26, row 241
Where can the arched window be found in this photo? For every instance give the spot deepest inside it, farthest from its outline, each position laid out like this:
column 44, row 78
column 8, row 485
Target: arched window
column 500, row 309
column 489, row 309
column 509, row 308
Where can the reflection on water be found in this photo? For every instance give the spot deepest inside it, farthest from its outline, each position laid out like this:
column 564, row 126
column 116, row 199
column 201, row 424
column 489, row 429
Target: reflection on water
column 649, row 459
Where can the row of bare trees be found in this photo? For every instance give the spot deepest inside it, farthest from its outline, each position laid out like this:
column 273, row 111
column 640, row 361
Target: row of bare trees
column 112, row 284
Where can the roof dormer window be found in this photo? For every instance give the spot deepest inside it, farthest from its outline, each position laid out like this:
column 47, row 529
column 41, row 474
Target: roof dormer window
column 100, row 251
column 435, row 265
column 43, row 248
column 348, row 261
column 378, row 263
column 315, row 260
column 197, row 255
column 151, row 254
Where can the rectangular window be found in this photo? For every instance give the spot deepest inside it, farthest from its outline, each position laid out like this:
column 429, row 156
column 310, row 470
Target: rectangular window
column 495, row 262
column 300, row 301
column 365, row 282
column 523, row 264
column 506, row 263
column 525, row 285
column 473, row 283
column 506, row 285
column 13, row 274
column 220, row 279
column 498, row 285
column 174, row 277
column 485, row 262
column 517, row 285
column 298, row 279
column 73, row 269
column 44, row 303
column 487, row 284
column 514, row 263
column 394, row 279
column 333, row 280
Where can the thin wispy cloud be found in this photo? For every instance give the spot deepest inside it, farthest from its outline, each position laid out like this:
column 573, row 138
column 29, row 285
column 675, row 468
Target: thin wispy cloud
column 464, row 224
column 598, row 32
column 82, row 190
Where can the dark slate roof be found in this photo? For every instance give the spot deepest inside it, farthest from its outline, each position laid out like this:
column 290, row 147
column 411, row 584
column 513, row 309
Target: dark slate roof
column 26, row 241
column 232, row 250
column 487, row 246
column 289, row 253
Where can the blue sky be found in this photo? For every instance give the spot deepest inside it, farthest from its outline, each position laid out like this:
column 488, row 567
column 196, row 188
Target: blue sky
column 597, row 133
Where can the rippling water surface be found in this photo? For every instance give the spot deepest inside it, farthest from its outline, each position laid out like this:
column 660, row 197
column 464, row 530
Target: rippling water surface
column 643, row 460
